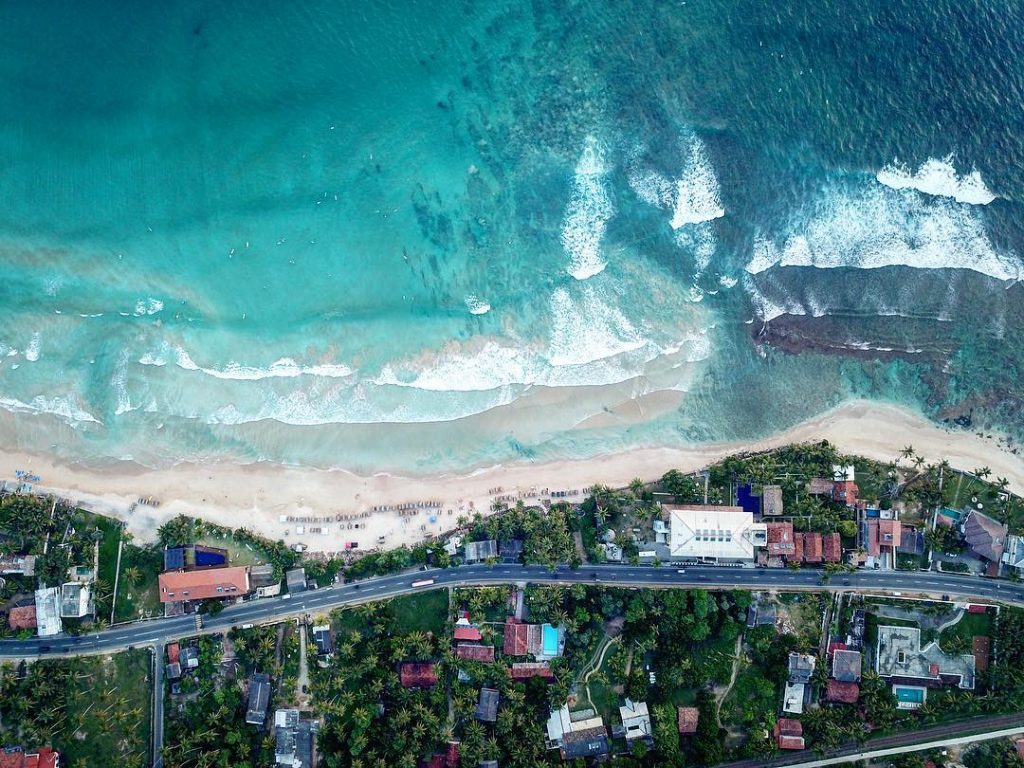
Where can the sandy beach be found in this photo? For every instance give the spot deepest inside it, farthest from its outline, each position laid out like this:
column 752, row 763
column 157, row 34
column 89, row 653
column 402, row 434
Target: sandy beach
column 303, row 505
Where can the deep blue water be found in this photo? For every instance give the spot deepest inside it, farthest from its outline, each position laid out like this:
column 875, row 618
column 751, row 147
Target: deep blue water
column 414, row 235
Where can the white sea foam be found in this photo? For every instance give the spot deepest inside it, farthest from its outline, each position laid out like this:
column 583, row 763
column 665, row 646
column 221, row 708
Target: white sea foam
column 148, row 306
column 286, row 367
column 698, row 195
column 879, row 228
column 587, row 214
column 727, row 281
column 476, row 305
column 938, row 177
column 591, row 342
column 67, row 409
column 701, row 242
column 653, row 188
column 32, row 350
column 119, row 381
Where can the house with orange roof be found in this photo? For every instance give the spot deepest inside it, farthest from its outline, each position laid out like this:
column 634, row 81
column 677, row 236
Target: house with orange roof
column 214, row 583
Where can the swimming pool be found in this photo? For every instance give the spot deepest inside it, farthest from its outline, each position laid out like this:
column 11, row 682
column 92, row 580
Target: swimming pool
column 550, row 640
column 908, row 697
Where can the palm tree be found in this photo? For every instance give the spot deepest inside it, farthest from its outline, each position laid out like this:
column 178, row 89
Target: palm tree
column 133, row 576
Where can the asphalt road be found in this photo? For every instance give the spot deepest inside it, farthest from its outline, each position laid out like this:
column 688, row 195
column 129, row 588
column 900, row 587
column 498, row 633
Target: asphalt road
column 146, row 632
column 921, row 736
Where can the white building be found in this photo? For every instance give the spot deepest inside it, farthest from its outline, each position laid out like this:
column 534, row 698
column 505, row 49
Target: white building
column 48, row 612
column 714, row 533
column 76, row 600
column 636, row 720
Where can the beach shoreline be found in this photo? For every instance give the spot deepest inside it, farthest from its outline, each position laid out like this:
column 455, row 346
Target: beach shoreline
column 291, row 503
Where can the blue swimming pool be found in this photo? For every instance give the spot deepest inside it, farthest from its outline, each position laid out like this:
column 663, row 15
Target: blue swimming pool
column 550, row 640
column 909, row 695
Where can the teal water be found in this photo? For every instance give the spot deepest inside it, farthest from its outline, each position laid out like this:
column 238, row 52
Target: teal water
column 415, row 236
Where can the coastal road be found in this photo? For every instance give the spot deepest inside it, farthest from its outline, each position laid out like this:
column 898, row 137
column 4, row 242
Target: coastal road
column 146, row 632
column 934, row 737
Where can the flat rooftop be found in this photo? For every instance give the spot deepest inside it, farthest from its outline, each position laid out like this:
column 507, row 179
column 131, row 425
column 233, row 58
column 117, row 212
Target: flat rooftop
column 899, row 654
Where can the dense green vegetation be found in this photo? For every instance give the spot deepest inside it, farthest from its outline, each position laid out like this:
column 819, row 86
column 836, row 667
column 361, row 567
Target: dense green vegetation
column 93, row 710
column 206, row 725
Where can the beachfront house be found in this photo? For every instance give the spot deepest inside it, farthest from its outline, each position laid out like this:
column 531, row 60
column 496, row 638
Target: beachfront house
column 48, row 621
column 478, row 551
column 296, row 580
column 1013, row 553
column 718, row 534
column 178, row 589
column 263, row 581
column 76, row 600
column 771, row 500
column 985, row 537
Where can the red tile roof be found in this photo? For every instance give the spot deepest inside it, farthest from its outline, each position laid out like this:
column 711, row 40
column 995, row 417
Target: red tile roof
column 789, row 733
column 890, row 533
column 22, row 618
column 45, row 758
column 16, row 757
column 516, row 634
column 833, row 548
column 526, row 669
column 467, row 633
column 417, row 674
column 780, row 538
column 871, row 545
column 798, row 550
column 845, row 693
column 791, row 742
column 812, row 547
column 452, row 754
column 845, row 491
column 980, row 647
column 687, row 719
column 205, row 584
column 173, row 653
column 786, row 726
column 484, row 653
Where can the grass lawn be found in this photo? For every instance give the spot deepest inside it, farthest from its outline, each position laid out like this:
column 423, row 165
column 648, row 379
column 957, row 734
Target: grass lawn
column 602, row 686
column 422, row 612
column 961, row 490
column 113, row 709
column 970, row 624
column 238, row 553
column 111, row 530
column 141, row 598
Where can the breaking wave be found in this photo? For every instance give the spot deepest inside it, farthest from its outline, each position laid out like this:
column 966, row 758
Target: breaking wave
column 938, row 177
column 66, row 409
column 587, row 215
column 283, row 368
column 698, row 196
column 876, row 227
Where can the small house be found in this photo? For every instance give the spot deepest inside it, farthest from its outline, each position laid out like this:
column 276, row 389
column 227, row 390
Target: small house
column 259, row 698
column 487, row 705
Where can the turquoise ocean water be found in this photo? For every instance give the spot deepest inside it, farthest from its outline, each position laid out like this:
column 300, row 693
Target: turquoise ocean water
column 419, row 236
